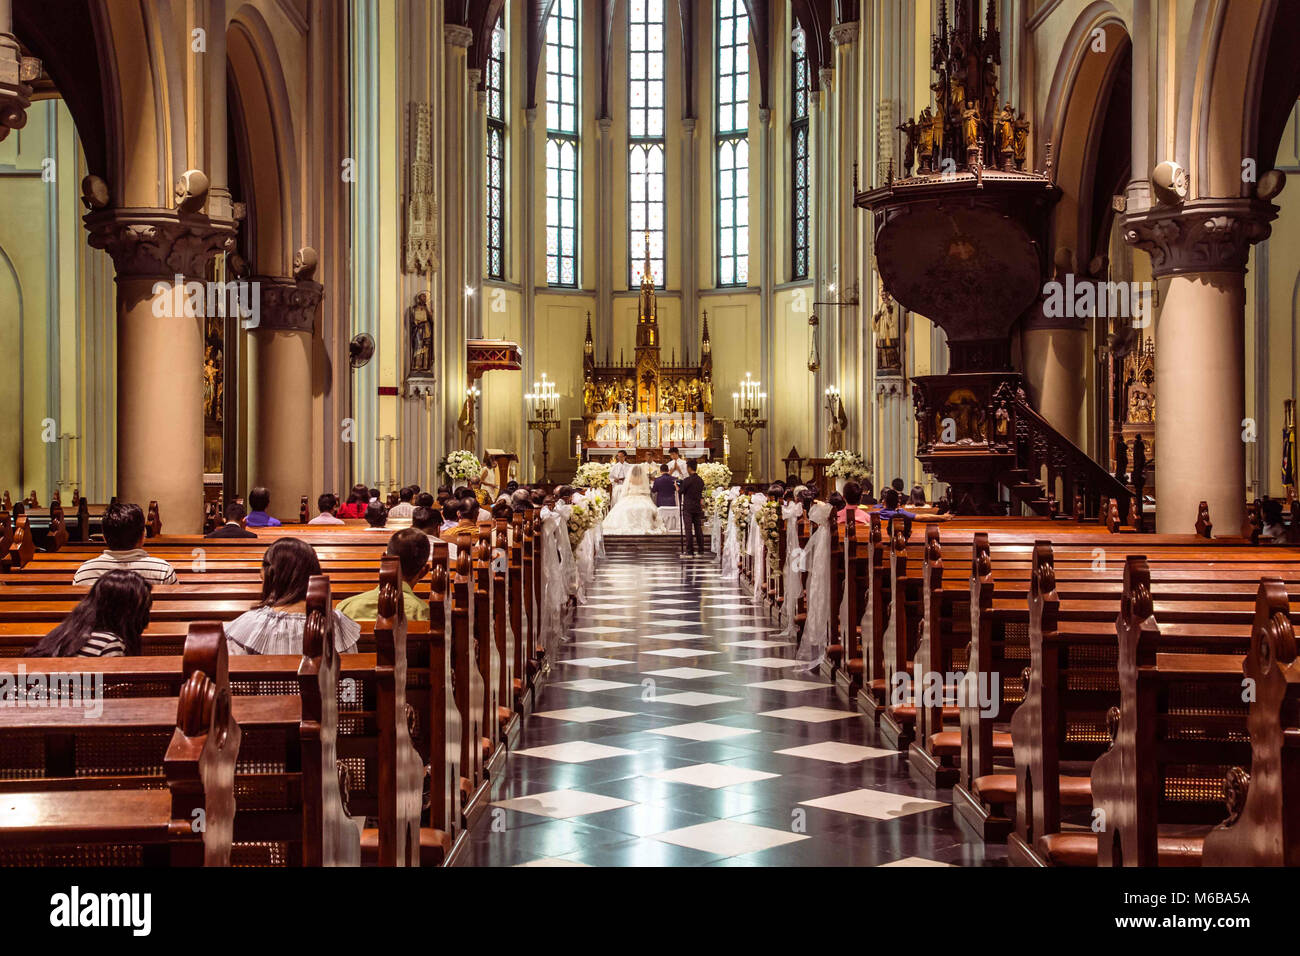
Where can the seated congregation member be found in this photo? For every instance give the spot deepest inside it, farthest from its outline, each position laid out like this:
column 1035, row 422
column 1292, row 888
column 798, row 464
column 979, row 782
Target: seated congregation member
column 917, row 497
column 664, row 489
column 868, row 495
column 466, row 521
column 836, row 501
column 374, row 495
column 326, row 504
column 107, row 622
column 259, row 499
column 427, row 521
column 450, row 514
column 376, row 516
column 411, row 548
column 355, row 507
column 124, row 535
column 889, row 508
column 233, row 528
column 520, row 500
column 1271, row 514
column 852, row 503
column 276, row 623
column 423, row 500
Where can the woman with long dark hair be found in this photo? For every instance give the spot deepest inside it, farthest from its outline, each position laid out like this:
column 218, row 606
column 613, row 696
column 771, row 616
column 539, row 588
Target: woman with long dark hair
column 107, row 622
column 275, row 624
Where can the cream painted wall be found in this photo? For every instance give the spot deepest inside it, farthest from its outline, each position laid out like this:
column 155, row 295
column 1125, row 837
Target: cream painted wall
column 55, row 297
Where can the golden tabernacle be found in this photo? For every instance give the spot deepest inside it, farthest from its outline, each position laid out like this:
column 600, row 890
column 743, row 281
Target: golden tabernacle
column 649, row 406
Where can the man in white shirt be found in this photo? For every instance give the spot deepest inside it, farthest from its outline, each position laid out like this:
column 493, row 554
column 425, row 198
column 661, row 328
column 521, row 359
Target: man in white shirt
column 676, row 465
column 404, row 507
column 326, row 503
column 618, row 473
column 124, row 535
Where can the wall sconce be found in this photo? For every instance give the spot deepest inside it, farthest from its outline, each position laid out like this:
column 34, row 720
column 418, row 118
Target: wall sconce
column 814, row 349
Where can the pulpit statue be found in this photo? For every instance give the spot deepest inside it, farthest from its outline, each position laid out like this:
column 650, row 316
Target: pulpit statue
column 1006, row 137
column 970, row 119
column 421, row 332
column 912, row 131
column 926, row 146
column 885, row 325
column 1021, row 132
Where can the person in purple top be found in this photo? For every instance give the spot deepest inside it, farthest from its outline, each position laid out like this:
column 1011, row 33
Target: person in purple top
column 664, row 489
column 259, row 499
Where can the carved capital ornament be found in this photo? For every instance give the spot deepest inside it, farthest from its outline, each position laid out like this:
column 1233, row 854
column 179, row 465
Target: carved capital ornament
column 1206, row 235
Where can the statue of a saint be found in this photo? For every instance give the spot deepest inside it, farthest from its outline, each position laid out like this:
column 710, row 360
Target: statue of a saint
column 1021, row 128
column 421, row 331
column 970, row 118
column 912, row 131
column 885, row 326
column 1006, row 134
column 926, row 143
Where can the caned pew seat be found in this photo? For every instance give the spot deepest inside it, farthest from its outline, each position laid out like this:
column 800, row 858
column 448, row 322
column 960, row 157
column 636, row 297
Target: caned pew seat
column 1079, row 848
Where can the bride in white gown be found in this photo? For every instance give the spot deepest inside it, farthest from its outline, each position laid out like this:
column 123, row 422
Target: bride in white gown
column 635, row 512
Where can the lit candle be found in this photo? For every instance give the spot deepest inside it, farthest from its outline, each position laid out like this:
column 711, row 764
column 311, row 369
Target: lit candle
column 735, row 404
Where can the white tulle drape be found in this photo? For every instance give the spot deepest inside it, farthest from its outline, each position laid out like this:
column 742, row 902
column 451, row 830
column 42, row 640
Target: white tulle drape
column 755, row 545
column 555, row 588
column 817, row 561
column 792, row 573
column 731, row 544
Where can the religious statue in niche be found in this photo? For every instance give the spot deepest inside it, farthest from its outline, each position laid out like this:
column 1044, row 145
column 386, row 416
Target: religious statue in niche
column 212, row 385
column 420, row 326
column 1007, row 136
column 885, row 325
column 912, row 131
column 1021, row 132
column 839, row 424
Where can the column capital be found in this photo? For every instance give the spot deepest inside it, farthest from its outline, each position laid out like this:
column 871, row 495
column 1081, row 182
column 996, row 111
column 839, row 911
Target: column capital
column 688, row 124
column 287, row 304
column 17, row 72
column 457, row 35
column 149, row 243
column 842, row 34
column 1205, row 235
column 827, row 76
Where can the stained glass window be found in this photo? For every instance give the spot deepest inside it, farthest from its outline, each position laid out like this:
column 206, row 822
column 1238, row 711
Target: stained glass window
column 495, row 84
column 645, row 166
column 562, row 127
column 800, row 184
column 732, row 145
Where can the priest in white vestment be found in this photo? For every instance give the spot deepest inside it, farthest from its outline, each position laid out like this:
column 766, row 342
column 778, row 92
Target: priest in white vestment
column 618, row 475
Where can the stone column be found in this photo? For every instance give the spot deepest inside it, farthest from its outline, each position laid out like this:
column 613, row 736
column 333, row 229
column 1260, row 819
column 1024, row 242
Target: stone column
column 1198, row 256
column 528, row 283
column 160, row 354
column 456, row 40
column 475, row 160
column 689, row 247
column 850, row 368
column 1055, row 351
column 280, row 397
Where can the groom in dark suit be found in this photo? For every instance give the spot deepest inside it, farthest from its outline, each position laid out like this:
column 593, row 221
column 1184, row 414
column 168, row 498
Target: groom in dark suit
column 692, row 490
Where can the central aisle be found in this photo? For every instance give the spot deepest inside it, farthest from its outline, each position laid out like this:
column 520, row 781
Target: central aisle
column 674, row 731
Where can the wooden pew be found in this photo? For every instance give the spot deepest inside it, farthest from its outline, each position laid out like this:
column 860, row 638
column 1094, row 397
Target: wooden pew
column 1263, row 824
column 487, row 662
column 189, row 823
column 468, row 683
column 1156, row 790
column 505, row 607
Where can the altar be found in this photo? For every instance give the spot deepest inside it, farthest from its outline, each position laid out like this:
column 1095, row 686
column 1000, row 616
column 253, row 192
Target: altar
column 646, row 407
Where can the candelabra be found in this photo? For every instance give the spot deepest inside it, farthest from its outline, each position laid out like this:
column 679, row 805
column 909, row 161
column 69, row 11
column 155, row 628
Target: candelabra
column 749, row 411
column 543, row 416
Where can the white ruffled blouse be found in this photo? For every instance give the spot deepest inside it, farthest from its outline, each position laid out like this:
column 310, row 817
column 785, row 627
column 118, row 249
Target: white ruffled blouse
column 265, row 630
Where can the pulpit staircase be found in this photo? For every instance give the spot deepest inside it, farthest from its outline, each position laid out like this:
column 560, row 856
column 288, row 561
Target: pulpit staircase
column 1044, row 457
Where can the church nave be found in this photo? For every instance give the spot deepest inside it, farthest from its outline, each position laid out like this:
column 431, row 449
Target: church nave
column 674, row 731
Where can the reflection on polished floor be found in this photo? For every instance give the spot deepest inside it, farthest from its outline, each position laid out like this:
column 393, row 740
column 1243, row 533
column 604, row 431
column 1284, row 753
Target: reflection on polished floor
column 676, row 730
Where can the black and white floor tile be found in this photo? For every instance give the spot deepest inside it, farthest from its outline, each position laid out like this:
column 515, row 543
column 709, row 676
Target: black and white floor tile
column 677, row 730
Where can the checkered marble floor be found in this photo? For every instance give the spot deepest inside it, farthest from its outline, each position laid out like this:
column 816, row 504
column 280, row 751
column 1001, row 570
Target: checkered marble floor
column 677, row 730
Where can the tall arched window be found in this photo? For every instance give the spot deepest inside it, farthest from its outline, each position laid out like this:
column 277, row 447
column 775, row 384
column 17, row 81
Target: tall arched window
column 645, row 161
column 800, row 194
column 495, row 84
column 562, row 142
column 732, row 143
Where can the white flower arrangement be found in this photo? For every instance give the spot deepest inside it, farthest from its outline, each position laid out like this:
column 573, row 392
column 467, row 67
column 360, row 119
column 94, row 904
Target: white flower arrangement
column 768, row 517
column 592, row 474
column 598, row 501
column 848, row 465
column 580, row 520
column 715, row 474
column 716, row 503
column 740, row 513
column 462, row 465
